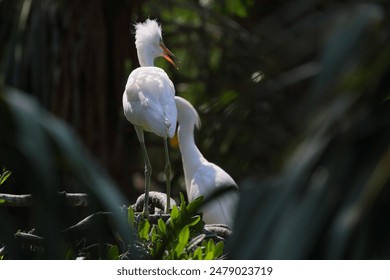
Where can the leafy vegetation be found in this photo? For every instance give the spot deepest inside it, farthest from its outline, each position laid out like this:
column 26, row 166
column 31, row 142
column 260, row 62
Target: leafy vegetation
column 180, row 237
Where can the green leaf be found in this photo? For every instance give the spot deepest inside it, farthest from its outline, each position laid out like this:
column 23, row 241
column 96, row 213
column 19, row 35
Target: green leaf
column 218, row 249
column 179, row 249
column 210, row 245
column 162, row 227
column 154, row 235
column 198, row 254
column 182, row 198
column 183, row 208
column 4, row 175
column 113, row 253
column 174, row 212
column 158, row 247
column 130, row 216
column 194, row 205
column 194, row 220
column 2, row 201
column 210, row 248
column 209, row 255
column 143, row 230
column 184, row 235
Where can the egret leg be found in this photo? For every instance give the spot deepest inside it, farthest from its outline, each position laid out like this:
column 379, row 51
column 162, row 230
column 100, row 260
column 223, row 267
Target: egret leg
column 167, row 176
column 148, row 169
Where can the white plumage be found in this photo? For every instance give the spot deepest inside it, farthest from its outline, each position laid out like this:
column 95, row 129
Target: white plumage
column 202, row 177
column 148, row 99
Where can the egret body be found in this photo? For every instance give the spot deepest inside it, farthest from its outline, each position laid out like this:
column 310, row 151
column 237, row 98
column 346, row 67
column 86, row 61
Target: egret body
column 148, row 99
column 202, row 177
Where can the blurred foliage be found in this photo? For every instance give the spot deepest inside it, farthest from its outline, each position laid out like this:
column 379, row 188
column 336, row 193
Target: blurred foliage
column 3, row 177
column 40, row 149
column 293, row 97
column 331, row 199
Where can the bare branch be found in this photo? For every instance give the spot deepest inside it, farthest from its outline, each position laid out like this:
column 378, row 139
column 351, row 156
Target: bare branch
column 156, row 199
column 29, row 238
column 87, row 223
column 27, row 200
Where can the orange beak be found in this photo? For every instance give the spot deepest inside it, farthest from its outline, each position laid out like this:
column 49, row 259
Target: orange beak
column 168, row 55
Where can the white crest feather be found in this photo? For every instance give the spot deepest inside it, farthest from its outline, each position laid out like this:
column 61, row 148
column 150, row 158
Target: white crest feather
column 147, row 32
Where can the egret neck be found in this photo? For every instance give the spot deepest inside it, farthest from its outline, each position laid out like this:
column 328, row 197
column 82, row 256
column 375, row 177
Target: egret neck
column 145, row 56
column 191, row 156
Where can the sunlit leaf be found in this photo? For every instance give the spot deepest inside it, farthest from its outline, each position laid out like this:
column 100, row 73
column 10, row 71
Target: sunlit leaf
column 184, row 235
column 194, row 220
column 4, row 176
column 130, row 216
column 218, row 250
column 210, row 246
column 143, row 230
column 162, row 227
column 198, row 254
column 174, row 212
column 209, row 255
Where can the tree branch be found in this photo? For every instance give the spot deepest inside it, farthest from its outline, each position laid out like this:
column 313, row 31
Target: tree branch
column 77, row 230
column 27, row 200
column 29, row 238
column 156, row 200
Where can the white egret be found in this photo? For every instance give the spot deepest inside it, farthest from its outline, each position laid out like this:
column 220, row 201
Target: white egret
column 148, row 99
column 202, row 177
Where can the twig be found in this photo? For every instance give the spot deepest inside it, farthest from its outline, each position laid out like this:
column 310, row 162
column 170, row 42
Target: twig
column 27, row 200
column 29, row 238
column 77, row 230
column 14, row 200
column 86, row 223
column 2, row 250
column 156, row 199
column 220, row 230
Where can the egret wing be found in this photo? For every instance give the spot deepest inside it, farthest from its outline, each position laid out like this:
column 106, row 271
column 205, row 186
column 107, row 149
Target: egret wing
column 206, row 180
column 148, row 101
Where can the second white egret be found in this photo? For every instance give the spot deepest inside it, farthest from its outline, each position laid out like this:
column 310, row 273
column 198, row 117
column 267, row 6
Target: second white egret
column 202, row 178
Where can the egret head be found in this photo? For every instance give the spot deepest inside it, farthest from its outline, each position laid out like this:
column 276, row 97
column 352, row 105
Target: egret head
column 186, row 113
column 149, row 43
